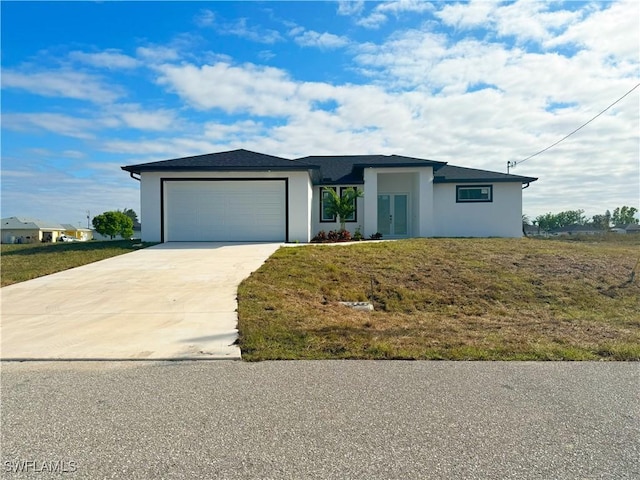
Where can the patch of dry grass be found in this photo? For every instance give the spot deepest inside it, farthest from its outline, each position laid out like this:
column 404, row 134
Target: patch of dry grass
column 502, row 299
column 24, row 262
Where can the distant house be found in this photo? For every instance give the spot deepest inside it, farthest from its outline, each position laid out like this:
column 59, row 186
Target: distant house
column 80, row 234
column 29, row 230
column 628, row 228
column 576, row 229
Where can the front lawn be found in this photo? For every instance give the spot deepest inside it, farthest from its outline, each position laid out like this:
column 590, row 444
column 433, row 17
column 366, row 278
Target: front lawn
column 460, row 299
column 24, row 262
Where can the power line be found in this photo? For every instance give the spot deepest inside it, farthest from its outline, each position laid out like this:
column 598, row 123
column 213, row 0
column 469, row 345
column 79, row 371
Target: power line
column 513, row 164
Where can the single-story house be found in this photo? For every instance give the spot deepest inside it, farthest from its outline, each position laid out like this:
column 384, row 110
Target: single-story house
column 29, row 230
column 628, row 228
column 577, row 229
column 247, row 196
column 79, row 233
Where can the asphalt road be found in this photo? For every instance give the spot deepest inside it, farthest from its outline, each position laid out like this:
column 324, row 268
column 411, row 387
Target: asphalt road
column 324, row 420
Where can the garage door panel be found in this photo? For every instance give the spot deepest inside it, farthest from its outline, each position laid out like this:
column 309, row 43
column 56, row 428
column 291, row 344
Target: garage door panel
column 225, row 210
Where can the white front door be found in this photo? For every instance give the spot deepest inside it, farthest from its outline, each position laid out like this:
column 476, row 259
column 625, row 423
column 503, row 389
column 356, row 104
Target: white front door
column 393, row 214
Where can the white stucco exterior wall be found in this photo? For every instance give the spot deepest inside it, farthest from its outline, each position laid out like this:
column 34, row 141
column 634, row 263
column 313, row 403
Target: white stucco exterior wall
column 370, row 201
column 299, row 200
column 500, row 218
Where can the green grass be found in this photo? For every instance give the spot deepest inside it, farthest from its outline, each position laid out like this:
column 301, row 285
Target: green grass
column 459, row 299
column 24, row 262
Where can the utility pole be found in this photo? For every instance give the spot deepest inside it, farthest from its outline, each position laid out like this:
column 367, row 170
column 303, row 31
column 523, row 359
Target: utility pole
column 88, row 216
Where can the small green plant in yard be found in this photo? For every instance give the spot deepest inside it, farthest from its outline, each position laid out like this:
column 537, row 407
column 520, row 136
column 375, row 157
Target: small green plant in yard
column 24, row 262
column 458, row 299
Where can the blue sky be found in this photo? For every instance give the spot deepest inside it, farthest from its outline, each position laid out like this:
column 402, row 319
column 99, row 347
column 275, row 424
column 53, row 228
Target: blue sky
column 89, row 87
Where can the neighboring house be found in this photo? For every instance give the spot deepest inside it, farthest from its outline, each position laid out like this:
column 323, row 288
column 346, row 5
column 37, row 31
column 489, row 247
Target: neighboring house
column 29, row 230
column 628, row 228
column 80, row 234
column 246, row 196
column 576, row 229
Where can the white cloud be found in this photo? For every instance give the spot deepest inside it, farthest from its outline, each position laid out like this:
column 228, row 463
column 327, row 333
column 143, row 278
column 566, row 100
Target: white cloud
column 374, row 20
column 157, row 53
column 255, row 33
column 262, row 91
column 350, row 7
column 467, row 15
column 401, row 6
column 61, row 83
column 52, row 122
column 611, row 32
column 234, row 132
column 161, row 148
column 531, row 20
column 380, row 13
column 73, row 154
column 264, row 55
column 134, row 116
column 110, row 59
column 205, row 18
column 324, row 40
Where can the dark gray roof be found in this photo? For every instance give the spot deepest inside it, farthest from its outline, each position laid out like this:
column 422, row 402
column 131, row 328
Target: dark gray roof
column 345, row 169
column 325, row 170
column 222, row 161
column 576, row 228
column 629, row 227
column 451, row 174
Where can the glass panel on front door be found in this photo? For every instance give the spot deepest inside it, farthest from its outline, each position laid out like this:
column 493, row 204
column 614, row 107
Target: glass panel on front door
column 384, row 214
column 393, row 218
column 400, row 215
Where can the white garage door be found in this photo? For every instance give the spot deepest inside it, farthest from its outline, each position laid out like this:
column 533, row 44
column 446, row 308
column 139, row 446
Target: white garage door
column 225, row 211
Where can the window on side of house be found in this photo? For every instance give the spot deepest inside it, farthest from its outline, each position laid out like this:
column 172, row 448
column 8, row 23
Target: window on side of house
column 353, row 217
column 475, row 193
column 325, row 197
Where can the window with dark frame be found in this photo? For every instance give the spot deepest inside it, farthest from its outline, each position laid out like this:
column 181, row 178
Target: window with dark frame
column 324, row 203
column 353, row 217
column 474, row 194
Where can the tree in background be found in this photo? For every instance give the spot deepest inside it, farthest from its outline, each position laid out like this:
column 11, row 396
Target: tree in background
column 113, row 223
column 549, row 221
column 624, row 215
column 130, row 212
column 602, row 222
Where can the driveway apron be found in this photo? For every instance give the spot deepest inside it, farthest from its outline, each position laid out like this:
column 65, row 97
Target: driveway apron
column 170, row 301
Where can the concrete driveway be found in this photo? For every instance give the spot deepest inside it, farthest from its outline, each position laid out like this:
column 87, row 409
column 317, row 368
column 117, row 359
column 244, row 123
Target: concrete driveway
column 171, row 301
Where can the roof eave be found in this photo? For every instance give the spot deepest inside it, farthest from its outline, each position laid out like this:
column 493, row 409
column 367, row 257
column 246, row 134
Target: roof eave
column 140, row 169
column 425, row 163
column 485, row 180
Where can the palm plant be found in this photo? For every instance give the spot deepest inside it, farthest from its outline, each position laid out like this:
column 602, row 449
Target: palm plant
column 343, row 205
